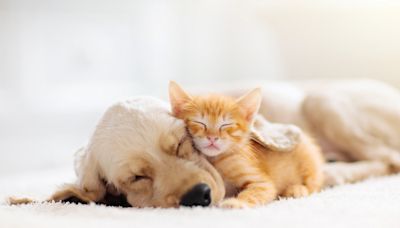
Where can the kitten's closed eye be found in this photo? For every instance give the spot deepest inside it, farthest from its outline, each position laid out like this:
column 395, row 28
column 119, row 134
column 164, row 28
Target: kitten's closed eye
column 224, row 126
column 203, row 125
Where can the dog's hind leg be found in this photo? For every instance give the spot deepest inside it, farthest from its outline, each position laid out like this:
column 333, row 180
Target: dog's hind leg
column 364, row 130
column 338, row 173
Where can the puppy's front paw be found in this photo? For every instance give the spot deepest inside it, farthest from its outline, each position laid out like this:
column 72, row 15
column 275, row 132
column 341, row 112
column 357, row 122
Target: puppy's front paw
column 233, row 203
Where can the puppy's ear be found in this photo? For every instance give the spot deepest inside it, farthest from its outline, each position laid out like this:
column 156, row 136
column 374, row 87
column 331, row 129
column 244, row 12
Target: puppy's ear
column 68, row 193
column 176, row 141
column 250, row 103
column 73, row 194
column 178, row 98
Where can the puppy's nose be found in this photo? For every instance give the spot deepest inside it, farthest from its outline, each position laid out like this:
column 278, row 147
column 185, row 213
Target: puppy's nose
column 199, row 195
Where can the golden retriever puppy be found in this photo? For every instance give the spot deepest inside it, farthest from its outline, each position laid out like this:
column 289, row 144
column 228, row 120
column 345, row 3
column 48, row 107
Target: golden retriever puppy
column 140, row 151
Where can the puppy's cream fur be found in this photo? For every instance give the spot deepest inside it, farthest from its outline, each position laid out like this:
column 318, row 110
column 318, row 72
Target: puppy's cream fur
column 356, row 122
column 140, row 150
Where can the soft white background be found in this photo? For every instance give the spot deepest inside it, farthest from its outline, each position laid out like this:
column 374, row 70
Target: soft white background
column 63, row 62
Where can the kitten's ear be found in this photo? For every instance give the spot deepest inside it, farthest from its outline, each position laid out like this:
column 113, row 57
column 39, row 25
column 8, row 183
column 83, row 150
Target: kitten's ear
column 177, row 97
column 250, row 103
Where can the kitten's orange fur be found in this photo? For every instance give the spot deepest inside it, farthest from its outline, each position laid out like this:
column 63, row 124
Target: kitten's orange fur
column 220, row 127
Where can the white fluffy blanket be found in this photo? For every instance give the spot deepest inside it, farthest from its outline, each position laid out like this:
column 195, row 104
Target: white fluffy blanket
column 373, row 203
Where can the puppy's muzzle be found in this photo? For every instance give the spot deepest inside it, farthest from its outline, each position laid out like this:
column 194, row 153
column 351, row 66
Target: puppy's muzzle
column 199, row 195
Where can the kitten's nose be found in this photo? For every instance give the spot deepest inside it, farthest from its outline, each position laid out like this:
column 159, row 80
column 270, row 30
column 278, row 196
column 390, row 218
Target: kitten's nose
column 212, row 139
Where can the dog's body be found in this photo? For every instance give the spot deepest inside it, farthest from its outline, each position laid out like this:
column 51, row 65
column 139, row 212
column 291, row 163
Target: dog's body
column 355, row 121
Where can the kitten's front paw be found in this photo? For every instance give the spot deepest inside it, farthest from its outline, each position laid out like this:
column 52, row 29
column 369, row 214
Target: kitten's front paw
column 296, row 191
column 233, row 203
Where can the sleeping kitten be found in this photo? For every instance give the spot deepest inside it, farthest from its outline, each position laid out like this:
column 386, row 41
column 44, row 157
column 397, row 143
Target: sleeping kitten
column 221, row 129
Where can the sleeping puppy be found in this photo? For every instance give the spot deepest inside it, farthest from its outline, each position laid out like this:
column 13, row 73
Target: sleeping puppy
column 142, row 153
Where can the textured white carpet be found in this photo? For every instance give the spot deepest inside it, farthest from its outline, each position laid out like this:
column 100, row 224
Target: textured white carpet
column 374, row 203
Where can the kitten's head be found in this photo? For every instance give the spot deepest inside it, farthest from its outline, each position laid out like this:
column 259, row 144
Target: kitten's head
column 215, row 122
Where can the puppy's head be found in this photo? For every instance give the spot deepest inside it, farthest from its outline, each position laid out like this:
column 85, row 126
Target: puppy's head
column 158, row 166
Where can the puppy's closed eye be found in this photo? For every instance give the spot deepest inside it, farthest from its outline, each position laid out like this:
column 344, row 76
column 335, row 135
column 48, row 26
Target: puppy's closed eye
column 139, row 183
column 138, row 178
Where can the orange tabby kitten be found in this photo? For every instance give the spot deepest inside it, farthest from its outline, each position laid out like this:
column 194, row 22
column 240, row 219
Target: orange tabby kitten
column 220, row 127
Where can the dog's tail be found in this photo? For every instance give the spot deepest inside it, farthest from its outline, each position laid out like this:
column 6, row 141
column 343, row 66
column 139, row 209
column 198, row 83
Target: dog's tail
column 338, row 173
